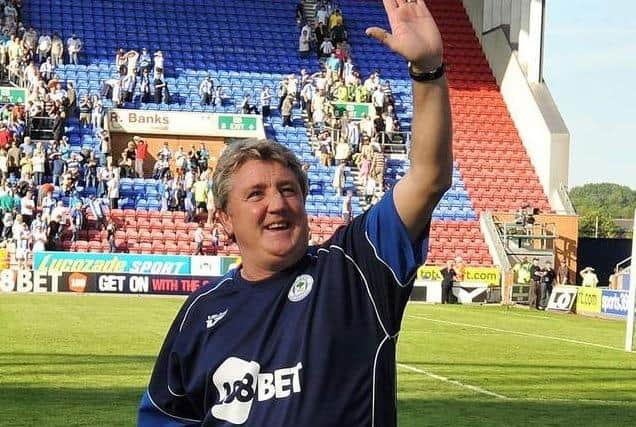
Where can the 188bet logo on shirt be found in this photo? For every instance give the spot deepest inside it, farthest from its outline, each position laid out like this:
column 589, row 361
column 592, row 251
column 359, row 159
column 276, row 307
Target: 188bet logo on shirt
column 238, row 382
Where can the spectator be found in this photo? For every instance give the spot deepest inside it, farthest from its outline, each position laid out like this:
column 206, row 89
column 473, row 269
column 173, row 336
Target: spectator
column 145, row 86
column 347, row 207
column 74, row 46
column 57, row 50
column 448, row 279
column 369, row 190
column 338, row 181
column 246, row 107
column 145, row 61
column 44, row 47
column 589, row 277
column 206, row 91
column 198, row 240
column 141, row 151
column 39, row 239
column 460, row 268
column 85, row 109
column 113, row 191
column 266, row 99
column 547, row 281
column 159, row 87
column 111, row 230
column 286, row 110
column 304, row 41
column 534, row 295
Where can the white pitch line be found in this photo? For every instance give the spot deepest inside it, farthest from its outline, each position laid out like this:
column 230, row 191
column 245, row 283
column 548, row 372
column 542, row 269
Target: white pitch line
column 526, row 334
column 501, row 396
column 455, row 382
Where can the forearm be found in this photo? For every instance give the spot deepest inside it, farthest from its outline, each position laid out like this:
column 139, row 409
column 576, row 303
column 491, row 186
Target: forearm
column 431, row 149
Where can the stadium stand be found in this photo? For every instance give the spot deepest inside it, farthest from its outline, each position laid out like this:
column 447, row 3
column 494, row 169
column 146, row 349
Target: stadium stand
column 244, row 46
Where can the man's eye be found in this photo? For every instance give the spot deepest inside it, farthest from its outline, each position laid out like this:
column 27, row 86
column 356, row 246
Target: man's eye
column 288, row 191
column 254, row 194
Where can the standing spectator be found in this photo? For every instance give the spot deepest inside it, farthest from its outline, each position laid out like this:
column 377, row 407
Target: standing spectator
column 326, row 48
column 145, row 86
column 111, row 229
column 121, row 62
column 547, row 281
column 266, row 100
column 98, row 210
column 44, row 47
column 128, row 83
column 347, row 207
column 206, row 91
column 113, row 192
column 47, row 69
column 57, row 50
column 97, row 115
column 460, row 268
column 535, row 288
column 377, row 99
column 210, row 206
column 589, row 277
column 145, row 61
column 141, row 151
column 39, row 161
column 286, row 110
column 39, row 239
column 159, row 87
column 74, row 46
column 304, row 41
column 448, row 278
column 369, row 190
column 338, row 181
column 27, row 208
column 282, row 93
column 85, row 110
column 159, row 61
column 77, row 220
column 198, row 240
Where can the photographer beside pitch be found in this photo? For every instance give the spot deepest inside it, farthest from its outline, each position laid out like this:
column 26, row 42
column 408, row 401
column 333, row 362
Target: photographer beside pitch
column 298, row 335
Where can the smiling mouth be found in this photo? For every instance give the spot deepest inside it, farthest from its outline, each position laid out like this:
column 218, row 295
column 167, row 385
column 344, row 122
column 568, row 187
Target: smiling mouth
column 278, row 226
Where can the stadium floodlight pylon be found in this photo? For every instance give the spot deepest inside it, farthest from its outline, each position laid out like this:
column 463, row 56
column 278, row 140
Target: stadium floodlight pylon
column 631, row 300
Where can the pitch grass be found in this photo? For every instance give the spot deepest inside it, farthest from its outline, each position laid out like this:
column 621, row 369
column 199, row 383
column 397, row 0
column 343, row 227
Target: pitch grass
column 68, row 360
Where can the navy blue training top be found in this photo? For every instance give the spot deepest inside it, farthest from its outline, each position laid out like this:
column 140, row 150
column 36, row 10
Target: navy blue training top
column 314, row 345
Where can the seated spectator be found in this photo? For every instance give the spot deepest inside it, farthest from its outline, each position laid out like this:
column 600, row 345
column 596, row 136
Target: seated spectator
column 246, row 107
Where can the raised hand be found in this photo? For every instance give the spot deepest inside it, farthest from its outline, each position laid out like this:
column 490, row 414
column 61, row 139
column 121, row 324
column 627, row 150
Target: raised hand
column 414, row 34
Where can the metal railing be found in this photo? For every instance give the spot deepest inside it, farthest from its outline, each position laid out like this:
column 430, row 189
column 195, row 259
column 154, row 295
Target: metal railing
column 493, row 238
column 389, row 143
column 562, row 191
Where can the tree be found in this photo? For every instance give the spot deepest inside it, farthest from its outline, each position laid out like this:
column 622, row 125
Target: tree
column 606, row 225
column 606, row 202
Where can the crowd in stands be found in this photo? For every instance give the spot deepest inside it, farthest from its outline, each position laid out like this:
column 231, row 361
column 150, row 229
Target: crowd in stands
column 49, row 190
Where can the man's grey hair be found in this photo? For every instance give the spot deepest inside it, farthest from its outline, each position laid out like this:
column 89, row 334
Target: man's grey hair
column 237, row 153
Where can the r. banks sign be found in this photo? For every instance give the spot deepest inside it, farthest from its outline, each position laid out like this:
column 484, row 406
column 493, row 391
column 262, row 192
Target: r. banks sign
column 111, row 263
column 486, row 275
column 185, row 123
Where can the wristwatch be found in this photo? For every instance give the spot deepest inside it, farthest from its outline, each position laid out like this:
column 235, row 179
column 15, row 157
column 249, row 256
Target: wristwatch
column 427, row 76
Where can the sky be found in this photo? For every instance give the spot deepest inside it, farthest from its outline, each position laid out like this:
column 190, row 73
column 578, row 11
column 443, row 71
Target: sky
column 589, row 66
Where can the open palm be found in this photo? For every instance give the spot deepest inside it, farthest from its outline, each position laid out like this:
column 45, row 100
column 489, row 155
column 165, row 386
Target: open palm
column 414, row 34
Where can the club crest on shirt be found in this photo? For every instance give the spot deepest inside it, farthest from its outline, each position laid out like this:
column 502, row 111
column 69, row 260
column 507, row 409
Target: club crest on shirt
column 301, row 288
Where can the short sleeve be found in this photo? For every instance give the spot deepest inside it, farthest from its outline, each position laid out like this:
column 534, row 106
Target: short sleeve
column 383, row 254
column 166, row 402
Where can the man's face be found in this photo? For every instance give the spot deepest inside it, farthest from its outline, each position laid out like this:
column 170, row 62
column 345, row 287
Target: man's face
column 266, row 214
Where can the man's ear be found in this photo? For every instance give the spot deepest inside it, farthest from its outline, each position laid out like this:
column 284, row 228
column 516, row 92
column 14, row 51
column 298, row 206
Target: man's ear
column 226, row 222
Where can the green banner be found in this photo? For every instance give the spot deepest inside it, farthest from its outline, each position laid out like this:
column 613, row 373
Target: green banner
column 355, row 110
column 12, row 95
column 237, row 122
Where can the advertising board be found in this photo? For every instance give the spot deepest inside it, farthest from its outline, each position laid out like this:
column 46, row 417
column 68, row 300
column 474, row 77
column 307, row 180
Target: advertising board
column 26, row 281
column 111, row 263
column 562, row 298
column 487, row 275
column 614, row 303
column 588, row 300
